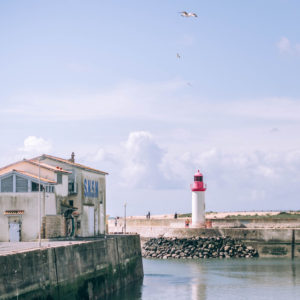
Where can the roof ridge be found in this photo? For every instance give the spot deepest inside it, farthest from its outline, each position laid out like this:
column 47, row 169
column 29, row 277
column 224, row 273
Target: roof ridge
column 44, row 165
column 29, row 175
column 72, row 163
column 32, row 161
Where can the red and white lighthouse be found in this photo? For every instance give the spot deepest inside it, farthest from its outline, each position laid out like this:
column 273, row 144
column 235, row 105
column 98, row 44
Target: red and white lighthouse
column 198, row 201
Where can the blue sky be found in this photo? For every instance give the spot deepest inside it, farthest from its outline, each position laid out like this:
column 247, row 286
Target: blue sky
column 101, row 78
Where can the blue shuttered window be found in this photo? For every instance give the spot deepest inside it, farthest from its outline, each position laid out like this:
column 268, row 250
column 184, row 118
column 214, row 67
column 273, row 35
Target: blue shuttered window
column 7, row 185
column 22, row 185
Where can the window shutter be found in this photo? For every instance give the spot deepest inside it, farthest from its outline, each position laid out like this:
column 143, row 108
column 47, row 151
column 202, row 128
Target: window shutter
column 7, row 185
column 22, row 185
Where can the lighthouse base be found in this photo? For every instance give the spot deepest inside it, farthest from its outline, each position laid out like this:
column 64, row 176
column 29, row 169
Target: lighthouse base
column 198, row 225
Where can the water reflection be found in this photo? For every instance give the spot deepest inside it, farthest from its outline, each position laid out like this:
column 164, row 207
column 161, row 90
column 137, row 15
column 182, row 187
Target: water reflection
column 198, row 285
column 215, row 279
column 294, row 270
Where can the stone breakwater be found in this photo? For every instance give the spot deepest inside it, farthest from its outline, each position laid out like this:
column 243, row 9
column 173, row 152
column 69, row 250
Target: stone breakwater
column 196, row 247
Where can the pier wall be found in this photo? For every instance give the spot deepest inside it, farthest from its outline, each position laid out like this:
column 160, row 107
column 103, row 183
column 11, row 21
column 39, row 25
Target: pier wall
column 270, row 242
column 87, row 270
column 241, row 222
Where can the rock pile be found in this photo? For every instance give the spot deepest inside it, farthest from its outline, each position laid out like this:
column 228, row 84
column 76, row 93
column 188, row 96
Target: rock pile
column 196, row 247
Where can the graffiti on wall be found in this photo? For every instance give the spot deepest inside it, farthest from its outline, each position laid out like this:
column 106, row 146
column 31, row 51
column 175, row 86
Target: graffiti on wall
column 91, row 188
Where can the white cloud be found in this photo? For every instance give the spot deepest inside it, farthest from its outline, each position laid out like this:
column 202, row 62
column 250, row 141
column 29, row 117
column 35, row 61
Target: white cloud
column 241, row 180
column 135, row 163
column 284, row 45
column 35, row 145
column 122, row 101
column 166, row 102
column 142, row 158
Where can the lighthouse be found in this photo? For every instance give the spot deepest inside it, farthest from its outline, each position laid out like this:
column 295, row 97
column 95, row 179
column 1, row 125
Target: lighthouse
column 198, row 201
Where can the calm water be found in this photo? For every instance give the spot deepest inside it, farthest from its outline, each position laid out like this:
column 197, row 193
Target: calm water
column 216, row 279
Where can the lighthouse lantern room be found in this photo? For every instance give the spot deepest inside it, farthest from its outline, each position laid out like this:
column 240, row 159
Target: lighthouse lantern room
column 198, row 201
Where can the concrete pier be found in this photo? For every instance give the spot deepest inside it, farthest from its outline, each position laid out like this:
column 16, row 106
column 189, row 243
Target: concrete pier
column 270, row 242
column 70, row 270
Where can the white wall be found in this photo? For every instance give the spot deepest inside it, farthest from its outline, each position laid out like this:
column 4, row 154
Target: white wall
column 62, row 189
column 99, row 210
column 198, row 209
column 50, row 204
column 80, row 199
column 29, row 203
column 88, row 221
column 22, row 201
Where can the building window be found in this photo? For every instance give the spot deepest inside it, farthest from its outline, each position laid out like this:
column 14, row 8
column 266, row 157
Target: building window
column 59, row 178
column 7, row 185
column 71, row 203
column 35, row 187
column 199, row 178
column 49, row 189
column 21, row 185
column 71, row 187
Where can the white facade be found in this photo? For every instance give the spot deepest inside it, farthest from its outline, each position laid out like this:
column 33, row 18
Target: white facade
column 69, row 190
column 19, row 202
column 87, row 192
column 198, row 209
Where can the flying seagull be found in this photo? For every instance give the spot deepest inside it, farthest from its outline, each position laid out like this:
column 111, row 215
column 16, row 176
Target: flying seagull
column 187, row 15
column 178, row 55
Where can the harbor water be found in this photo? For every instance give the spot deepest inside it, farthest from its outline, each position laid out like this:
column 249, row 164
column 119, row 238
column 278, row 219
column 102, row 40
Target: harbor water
column 216, row 279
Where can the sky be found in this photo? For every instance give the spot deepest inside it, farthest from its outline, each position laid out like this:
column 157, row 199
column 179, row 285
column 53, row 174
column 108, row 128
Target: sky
column 103, row 79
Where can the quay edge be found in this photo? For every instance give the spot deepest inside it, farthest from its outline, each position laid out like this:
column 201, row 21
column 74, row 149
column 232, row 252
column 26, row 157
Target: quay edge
column 87, row 270
column 270, row 242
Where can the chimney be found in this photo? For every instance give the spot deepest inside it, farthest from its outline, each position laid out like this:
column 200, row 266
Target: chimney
column 72, row 159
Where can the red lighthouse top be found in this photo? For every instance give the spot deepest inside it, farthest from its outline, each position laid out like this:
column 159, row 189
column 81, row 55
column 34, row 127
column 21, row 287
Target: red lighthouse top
column 198, row 185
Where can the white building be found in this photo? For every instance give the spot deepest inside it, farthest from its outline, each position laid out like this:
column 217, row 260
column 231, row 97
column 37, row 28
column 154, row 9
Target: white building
column 72, row 198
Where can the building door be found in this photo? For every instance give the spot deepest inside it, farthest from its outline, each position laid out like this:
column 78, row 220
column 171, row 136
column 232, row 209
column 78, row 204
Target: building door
column 14, row 232
column 91, row 220
column 96, row 222
column 102, row 219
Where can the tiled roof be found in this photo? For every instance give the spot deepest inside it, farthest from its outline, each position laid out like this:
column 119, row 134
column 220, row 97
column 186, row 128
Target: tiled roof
column 36, row 163
column 46, row 166
column 30, row 175
column 35, row 176
column 14, row 212
column 73, row 163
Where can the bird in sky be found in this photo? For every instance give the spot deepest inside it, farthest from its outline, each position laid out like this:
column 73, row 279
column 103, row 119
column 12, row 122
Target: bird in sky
column 188, row 14
column 178, row 55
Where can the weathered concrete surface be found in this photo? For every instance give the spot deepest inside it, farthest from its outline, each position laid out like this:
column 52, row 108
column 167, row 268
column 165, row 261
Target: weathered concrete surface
column 256, row 223
column 251, row 223
column 272, row 238
column 86, row 270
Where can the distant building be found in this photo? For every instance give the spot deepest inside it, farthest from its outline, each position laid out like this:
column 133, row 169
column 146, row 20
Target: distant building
column 73, row 199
